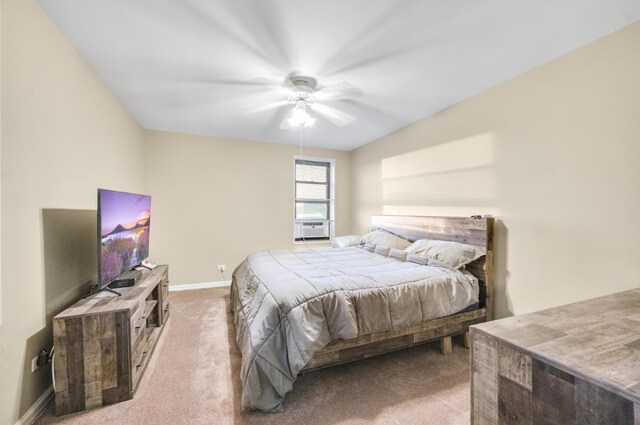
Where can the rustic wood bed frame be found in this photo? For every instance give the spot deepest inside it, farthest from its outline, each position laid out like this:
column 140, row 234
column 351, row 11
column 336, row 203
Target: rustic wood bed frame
column 477, row 231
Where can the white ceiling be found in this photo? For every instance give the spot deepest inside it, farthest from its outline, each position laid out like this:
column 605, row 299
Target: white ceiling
column 189, row 65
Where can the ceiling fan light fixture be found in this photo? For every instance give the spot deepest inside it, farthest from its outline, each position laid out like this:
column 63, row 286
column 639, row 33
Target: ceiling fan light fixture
column 296, row 97
column 300, row 117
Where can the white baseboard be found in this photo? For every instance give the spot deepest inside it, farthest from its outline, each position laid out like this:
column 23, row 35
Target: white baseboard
column 37, row 409
column 192, row 286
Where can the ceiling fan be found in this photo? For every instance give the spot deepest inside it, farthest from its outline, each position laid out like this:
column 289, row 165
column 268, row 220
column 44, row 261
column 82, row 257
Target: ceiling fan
column 302, row 95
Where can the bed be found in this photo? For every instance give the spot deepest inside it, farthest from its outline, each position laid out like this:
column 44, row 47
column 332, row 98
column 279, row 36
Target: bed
column 304, row 309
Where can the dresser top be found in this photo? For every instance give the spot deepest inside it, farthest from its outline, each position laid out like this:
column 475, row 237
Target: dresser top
column 597, row 339
column 104, row 301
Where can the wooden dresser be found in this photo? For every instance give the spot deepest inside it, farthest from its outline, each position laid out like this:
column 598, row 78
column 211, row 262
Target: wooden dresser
column 575, row 364
column 103, row 343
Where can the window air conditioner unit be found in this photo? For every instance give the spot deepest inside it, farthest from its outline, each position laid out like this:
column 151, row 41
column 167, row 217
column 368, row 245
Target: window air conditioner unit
column 314, row 229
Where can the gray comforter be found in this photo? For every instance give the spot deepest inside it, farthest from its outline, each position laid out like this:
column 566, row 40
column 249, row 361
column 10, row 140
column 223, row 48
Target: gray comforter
column 289, row 304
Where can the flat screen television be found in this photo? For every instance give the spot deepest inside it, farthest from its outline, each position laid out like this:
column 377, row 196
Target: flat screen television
column 124, row 220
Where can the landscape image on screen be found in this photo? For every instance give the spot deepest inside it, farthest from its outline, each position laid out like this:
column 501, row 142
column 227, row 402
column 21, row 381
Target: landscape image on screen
column 124, row 232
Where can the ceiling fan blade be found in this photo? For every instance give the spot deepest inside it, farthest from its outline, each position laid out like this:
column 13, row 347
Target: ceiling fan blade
column 261, row 107
column 284, row 124
column 335, row 116
column 271, row 84
column 227, row 82
column 274, row 81
column 288, row 84
column 341, row 90
column 272, row 78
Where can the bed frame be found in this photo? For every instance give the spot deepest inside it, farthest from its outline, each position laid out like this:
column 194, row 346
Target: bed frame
column 476, row 231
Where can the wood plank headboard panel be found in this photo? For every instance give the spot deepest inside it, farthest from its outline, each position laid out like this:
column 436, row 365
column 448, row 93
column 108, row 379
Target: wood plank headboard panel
column 467, row 230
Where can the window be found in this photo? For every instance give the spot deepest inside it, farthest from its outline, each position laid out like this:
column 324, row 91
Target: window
column 314, row 199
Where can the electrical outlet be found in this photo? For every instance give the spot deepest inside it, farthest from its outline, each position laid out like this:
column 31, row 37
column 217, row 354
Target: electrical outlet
column 34, row 364
column 221, row 267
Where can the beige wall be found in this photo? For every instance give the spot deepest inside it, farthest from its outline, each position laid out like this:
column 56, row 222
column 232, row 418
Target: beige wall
column 63, row 135
column 554, row 154
column 216, row 200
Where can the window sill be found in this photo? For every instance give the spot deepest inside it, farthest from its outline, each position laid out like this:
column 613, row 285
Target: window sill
column 312, row 242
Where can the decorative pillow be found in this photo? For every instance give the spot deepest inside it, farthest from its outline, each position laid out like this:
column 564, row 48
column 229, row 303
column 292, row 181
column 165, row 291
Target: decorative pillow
column 451, row 254
column 369, row 247
column 382, row 250
column 398, row 254
column 345, row 241
column 380, row 237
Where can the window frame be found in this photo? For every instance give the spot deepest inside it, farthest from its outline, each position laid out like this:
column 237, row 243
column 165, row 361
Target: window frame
column 330, row 163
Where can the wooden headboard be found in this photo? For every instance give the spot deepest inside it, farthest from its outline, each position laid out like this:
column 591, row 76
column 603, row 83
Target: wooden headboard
column 467, row 230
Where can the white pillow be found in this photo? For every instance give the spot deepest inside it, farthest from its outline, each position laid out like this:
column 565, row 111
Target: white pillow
column 380, row 237
column 452, row 254
column 345, row 241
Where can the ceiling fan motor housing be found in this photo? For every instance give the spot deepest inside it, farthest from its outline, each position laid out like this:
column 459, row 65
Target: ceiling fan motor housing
column 304, row 89
column 304, row 83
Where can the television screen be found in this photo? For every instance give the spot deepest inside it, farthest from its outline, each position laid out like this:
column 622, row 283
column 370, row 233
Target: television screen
column 123, row 225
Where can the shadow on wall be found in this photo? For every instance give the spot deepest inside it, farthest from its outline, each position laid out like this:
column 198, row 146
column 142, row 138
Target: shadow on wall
column 455, row 178
column 70, row 257
column 502, row 303
column 70, row 267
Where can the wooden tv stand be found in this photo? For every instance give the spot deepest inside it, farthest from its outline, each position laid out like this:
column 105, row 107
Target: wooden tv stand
column 103, row 343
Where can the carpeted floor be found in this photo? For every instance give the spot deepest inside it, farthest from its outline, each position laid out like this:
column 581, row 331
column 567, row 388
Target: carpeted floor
column 193, row 378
